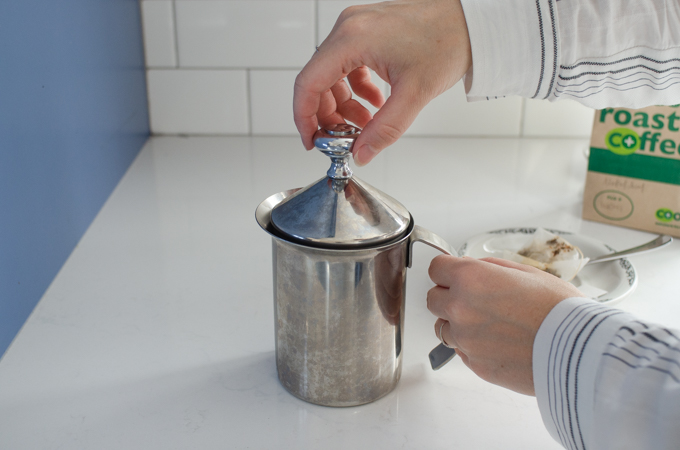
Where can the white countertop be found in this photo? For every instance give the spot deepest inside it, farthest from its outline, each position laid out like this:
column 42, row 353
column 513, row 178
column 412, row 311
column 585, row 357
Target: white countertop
column 158, row 332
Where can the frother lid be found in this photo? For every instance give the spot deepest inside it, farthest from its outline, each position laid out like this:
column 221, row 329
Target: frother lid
column 339, row 210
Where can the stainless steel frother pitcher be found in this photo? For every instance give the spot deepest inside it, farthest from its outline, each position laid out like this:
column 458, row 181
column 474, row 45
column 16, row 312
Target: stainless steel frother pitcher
column 340, row 249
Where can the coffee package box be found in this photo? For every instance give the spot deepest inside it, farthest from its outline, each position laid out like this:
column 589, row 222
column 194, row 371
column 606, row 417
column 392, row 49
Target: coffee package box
column 633, row 177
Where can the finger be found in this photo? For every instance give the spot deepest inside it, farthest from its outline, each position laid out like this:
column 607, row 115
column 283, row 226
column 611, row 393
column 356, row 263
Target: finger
column 446, row 270
column 306, row 123
column 442, row 329
column 360, row 80
column 437, row 302
column 317, row 77
column 511, row 264
column 355, row 112
column 349, row 108
column 328, row 114
column 327, row 106
column 341, row 91
column 388, row 124
column 463, row 357
column 442, row 269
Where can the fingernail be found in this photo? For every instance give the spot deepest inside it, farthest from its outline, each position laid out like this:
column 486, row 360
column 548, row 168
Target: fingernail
column 307, row 145
column 364, row 155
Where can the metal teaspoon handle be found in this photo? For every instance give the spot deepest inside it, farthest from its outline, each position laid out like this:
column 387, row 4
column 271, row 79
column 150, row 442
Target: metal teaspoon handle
column 657, row 243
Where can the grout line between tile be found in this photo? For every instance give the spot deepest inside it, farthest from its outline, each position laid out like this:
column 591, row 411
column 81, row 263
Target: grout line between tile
column 146, row 76
column 174, row 33
column 522, row 115
column 316, row 22
column 249, row 105
column 148, row 101
column 233, row 68
column 282, row 135
column 144, row 34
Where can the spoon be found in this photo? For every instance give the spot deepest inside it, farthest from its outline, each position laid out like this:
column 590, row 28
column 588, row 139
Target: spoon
column 660, row 241
column 441, row 354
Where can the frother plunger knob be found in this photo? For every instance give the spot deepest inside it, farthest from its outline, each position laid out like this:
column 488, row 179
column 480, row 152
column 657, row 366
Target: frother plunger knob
column 336, row 142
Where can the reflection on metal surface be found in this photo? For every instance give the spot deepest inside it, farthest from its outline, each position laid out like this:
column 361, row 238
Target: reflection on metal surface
column 339, row 186
column 339, row 314
column 340, row 210
column 341, row 213
column 338, row 331
column 336, row 142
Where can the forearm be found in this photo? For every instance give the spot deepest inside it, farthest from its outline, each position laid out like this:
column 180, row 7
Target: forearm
column 600, row 53
column 605, row 380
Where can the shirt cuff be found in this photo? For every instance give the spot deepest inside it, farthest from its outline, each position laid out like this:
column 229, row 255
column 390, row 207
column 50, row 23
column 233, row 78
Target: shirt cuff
column 567, row 352
column 514, row 48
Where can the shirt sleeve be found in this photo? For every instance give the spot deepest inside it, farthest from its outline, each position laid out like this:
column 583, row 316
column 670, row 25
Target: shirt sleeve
column 606, row 380
column 600, row 53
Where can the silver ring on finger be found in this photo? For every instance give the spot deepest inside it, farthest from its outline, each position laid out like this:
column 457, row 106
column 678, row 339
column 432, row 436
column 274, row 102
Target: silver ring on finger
column 441, row 336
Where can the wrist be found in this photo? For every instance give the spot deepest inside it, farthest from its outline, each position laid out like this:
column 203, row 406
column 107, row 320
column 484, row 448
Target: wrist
column 514, row 45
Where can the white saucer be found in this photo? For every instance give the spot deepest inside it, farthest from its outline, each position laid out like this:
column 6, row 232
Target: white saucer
column 618, row 278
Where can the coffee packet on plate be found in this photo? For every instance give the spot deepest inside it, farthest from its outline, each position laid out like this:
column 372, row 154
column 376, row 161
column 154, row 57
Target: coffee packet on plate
column 545, row 251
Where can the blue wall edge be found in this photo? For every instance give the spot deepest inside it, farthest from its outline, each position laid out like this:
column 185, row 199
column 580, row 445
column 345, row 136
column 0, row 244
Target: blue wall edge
column 73, row 116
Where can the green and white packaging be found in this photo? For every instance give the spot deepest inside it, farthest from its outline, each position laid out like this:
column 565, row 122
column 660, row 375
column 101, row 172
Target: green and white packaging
column 633, row 175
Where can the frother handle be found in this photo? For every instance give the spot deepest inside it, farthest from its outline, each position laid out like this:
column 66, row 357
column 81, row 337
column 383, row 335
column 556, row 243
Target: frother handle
column 441, row 354
column 420, row 234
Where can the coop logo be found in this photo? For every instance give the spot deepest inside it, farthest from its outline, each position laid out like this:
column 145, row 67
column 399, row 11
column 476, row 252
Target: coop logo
column 622, row 141
column 666, row 215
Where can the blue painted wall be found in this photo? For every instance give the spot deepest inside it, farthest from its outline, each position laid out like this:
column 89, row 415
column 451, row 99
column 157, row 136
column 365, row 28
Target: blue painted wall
column 73, row 116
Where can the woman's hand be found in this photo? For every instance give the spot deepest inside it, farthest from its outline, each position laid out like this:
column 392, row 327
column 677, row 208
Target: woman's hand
column 491, row 310
column 420, row 47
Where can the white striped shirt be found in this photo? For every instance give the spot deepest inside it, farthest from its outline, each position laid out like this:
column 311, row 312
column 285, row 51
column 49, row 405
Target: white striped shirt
column 601, row 53
column 605, row 380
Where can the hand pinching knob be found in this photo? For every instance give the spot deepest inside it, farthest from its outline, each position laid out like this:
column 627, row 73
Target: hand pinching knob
column 336, row 142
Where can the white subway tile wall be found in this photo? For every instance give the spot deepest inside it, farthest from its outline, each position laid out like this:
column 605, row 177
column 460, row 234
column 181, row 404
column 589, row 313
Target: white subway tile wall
column 451, row 114
column 570, row 119
column 245, row 33
column 202, row 101
column 271, row 100
column 158, row 22
column 228, row 67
